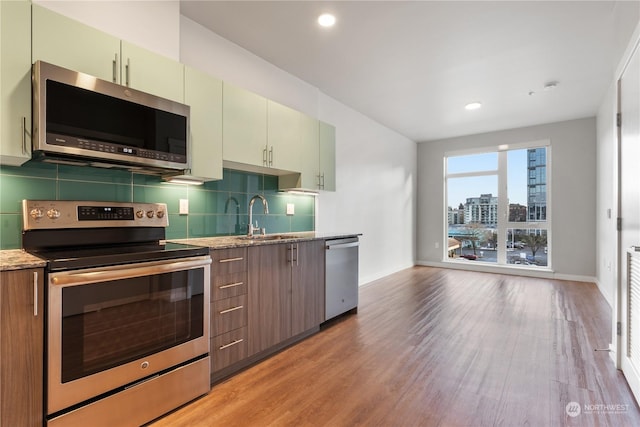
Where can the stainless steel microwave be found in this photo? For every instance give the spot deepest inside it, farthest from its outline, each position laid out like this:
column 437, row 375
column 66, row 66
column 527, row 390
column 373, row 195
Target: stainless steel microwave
column 80, row 119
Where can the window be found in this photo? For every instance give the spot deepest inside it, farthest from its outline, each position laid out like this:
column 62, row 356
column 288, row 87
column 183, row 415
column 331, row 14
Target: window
column 497, row 205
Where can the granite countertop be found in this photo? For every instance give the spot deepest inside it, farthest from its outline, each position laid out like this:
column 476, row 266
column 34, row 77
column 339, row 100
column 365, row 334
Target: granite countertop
column 225, row 242
column 17, row 259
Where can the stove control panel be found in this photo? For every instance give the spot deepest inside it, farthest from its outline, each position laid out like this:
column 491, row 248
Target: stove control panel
column 58, row 214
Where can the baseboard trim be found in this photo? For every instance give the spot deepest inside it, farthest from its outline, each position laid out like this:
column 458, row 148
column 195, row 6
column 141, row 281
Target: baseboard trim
column 499, row 269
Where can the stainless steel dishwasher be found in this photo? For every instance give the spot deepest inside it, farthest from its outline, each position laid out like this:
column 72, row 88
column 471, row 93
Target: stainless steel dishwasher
column 341, row 294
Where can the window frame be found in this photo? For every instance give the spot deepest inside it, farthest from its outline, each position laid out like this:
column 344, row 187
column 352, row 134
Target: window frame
column 503, row 201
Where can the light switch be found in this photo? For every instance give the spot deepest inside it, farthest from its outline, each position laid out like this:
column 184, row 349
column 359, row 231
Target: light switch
column 291, row 209
column 184, row 206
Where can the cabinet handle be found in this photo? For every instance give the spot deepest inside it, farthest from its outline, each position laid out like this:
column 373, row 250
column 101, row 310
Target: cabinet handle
column 126, row 74
column 291, row 248
column 231, row 285
column 229, row 310
column 231, row 259
column 115, row 68
column 24, row 135
column 222, row 347
column 264, row 156
column 297, row 253
column 271, row 156
column 322, row 182
column 35, row 294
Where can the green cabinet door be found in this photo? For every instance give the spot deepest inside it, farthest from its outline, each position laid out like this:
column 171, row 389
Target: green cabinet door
column 244, row 126
column 283, row 136
column 15, row 82
column 70, row 44
column 203, row 94
column 308, row 160
column 327, row 157
column 152, row 73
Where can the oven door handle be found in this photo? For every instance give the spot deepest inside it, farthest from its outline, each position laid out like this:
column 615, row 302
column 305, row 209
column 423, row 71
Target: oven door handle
column 103, row 274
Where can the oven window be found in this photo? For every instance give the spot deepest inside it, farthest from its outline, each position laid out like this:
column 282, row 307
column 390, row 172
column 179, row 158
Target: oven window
column 110, row 323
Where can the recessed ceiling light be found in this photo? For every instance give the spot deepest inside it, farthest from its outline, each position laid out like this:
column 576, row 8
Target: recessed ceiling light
column 550, row 85
column 326, row 20
column 473, row 105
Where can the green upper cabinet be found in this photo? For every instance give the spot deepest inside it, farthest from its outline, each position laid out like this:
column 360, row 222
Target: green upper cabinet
column 283, row 136
column 327, row 157
column 70, row 44
column 15, row 82
column 152, row 73
column 302, row 156
column 204, row 94
column 244, row 126
column 309, row 157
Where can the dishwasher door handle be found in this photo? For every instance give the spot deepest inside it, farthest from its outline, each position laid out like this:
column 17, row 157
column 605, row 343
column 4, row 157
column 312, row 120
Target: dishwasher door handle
column 343, row 245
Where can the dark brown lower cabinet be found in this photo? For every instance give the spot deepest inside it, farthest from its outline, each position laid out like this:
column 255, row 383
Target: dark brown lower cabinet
column 286, row 292
column 228, row 329
column 307, row 287
column 21, row 347
column 269, row 276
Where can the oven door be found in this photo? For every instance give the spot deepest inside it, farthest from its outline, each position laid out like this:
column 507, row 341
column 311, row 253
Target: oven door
column 112, row 327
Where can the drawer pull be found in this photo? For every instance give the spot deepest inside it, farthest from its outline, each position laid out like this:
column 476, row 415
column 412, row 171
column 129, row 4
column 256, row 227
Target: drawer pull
column 231, row 259
column 222, row 347
column 231, row 285
column 229, row 310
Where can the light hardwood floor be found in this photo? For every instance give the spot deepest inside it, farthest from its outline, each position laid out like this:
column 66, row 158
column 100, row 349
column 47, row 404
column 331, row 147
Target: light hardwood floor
column 438, row 347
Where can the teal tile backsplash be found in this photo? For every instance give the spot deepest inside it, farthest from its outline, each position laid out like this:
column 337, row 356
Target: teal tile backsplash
column 217, row 208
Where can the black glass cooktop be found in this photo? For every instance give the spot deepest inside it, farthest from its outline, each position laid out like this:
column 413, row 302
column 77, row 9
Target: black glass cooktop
column 98, row 256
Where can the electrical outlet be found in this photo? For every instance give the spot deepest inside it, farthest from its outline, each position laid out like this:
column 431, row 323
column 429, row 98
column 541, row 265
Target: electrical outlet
column 184, row 206
column 437, row 245
column 291, row 209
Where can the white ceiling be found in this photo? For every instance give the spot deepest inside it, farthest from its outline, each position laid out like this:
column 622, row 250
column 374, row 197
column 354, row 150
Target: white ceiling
column 413, row 65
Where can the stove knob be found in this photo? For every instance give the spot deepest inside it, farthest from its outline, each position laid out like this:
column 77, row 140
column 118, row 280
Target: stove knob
column 36, row 213
column 160, row 214
column 53, row 213
column 140, row 214
column 150, row 214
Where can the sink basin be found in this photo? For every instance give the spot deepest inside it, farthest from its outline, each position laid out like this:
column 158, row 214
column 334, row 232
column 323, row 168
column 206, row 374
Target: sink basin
column 265, row 237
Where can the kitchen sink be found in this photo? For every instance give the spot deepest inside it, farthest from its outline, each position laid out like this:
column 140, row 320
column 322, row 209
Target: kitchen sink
column 267, row 237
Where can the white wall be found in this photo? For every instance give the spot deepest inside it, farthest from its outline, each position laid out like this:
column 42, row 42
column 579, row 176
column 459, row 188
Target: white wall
column 376, row 179
column 573, row 193
column 607, row 190
column 375, row 167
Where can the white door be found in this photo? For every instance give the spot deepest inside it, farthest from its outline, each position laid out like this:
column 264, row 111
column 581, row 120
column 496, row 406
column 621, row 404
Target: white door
column 629, row 208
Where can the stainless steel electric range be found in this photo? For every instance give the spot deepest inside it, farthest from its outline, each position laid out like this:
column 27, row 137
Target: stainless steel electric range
column 127, row 315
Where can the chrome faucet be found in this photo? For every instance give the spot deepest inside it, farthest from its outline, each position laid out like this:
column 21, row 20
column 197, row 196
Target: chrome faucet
column 250, row 228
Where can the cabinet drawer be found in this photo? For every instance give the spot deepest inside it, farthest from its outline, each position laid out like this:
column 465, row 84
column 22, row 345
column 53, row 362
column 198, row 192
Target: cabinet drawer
column 227, row 261
column 228, row 285
column 228, row 314
column 226, row 349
